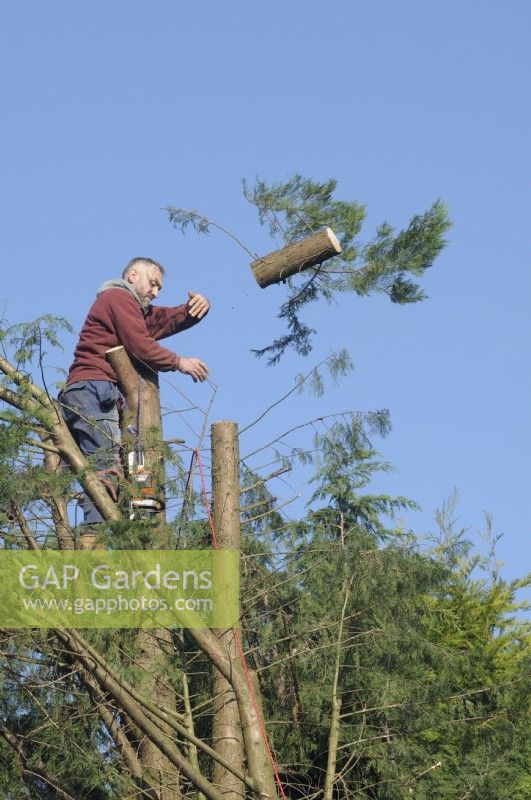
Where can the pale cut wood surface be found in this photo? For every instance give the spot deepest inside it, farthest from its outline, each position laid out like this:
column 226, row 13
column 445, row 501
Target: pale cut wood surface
column 296, row 257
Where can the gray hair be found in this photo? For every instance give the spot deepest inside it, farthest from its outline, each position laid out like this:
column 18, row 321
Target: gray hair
column 137, row 262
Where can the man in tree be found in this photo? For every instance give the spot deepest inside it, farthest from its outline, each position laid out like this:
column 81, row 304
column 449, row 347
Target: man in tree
column 122, row 314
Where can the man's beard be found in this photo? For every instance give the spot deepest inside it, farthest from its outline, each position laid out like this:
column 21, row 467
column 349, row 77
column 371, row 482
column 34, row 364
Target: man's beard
column 145, row 301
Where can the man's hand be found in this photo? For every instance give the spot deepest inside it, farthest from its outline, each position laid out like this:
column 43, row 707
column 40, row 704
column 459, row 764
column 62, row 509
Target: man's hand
column 194, row 367
column 197, row 305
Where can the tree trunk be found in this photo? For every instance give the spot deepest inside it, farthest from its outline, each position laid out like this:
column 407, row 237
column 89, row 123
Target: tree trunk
column 141, row 421
column 296, row 257
column 155, row 653
column 333, row 736
column 142, row 429
column 226, row 727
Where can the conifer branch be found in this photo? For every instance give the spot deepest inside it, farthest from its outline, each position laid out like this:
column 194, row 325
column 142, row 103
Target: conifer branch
column 23, row 381
column 78, row 647
column 155, row 710
column 20, row 747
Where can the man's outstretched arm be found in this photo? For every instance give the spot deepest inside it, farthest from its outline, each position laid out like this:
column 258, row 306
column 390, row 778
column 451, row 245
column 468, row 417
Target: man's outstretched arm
column 163, row 321
column 133, row 333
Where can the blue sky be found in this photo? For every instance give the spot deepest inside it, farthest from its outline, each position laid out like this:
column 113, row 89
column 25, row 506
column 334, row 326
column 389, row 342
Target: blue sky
column 111, row 111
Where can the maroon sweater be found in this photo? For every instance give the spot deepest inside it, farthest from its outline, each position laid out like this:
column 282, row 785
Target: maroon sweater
column 117, row 318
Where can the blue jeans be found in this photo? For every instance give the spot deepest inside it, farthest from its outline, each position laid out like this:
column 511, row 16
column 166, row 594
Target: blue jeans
column 90, row 410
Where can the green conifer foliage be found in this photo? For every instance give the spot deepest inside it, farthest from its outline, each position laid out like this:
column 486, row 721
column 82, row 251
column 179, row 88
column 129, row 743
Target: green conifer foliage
column 391, row 263
column 427, row 665
column 388, row 668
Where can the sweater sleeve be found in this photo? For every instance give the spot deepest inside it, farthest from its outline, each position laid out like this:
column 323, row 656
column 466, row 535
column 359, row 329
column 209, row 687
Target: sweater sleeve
column 133, row 333
column 162, row 321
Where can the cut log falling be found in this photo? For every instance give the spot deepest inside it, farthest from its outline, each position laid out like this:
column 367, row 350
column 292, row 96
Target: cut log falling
column 296, row 257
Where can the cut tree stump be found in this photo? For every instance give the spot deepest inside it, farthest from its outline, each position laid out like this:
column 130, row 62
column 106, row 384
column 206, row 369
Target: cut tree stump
column 296, row 257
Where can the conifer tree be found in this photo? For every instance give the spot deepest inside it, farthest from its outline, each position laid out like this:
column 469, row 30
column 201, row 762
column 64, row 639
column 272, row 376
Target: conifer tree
column 385, row 670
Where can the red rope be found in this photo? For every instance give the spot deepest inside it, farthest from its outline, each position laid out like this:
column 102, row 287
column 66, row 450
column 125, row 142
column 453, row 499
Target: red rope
column 239, row 643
